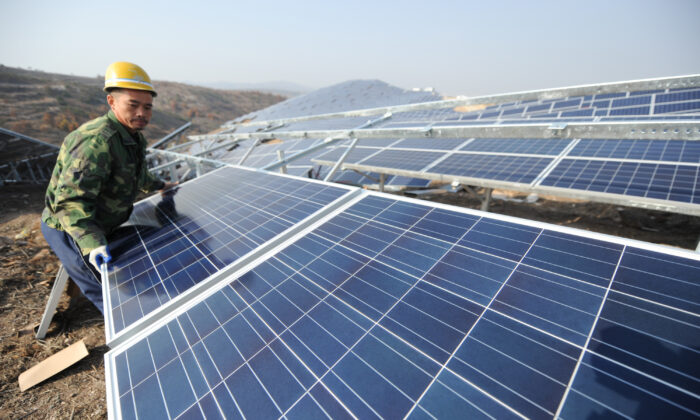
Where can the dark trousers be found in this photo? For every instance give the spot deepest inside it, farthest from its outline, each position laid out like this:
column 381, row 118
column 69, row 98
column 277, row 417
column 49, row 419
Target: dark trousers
column 78, row 267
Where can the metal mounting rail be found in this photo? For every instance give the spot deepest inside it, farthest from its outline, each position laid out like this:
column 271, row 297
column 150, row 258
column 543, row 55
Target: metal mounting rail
column 170, row 137
column 647, row 130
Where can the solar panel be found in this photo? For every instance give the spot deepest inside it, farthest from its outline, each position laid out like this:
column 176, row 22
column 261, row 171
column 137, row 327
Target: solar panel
column 657, row 150
column 573, row 109
column 176, row 242
column 518, row 169
column 394, row 308
column 651, row 180
column 524, row 146
column 402, row 159
column 614, row 167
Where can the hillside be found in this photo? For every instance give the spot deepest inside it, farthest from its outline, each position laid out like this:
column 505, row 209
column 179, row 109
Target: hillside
column 48, row 106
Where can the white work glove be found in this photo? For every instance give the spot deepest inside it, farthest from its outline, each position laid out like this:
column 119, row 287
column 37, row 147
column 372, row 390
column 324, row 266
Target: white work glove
column 99, row 256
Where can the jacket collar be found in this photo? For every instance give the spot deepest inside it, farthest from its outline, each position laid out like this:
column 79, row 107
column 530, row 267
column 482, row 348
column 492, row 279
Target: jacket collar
column 126, row 138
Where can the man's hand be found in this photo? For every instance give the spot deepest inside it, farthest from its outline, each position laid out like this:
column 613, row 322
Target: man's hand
column 99, row 256
column 167, row 188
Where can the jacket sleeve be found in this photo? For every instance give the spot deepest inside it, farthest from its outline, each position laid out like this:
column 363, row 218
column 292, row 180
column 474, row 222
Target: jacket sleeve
column 147, row 181
column 85, row 171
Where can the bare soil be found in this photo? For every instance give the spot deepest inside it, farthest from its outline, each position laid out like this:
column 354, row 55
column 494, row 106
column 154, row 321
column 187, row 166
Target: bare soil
column 27, row 270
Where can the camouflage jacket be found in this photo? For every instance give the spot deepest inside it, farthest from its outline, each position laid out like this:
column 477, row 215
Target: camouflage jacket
column 99, row 170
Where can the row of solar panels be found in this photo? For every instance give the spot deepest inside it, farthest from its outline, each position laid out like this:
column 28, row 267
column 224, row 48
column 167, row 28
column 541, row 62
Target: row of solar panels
column 268, row 295
column 251, row 294
column 634, row 174
column 25, row 159
column 660, row 171
column 672, row 95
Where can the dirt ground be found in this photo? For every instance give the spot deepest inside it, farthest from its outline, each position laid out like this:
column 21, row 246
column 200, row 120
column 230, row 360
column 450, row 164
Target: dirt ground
column 27, row 270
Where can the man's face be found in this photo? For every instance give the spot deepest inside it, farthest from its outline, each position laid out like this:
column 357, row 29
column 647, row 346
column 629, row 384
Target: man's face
column 133, row 108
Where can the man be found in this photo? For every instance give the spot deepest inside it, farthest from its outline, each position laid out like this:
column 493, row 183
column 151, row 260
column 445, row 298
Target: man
column 99, row 171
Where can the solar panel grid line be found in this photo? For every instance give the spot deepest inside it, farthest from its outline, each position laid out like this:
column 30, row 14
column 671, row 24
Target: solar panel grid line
column 115, row 336
column 658, row 162
column 452, row 355
column 437, row 161
column 309, row 387
column 546, row 171
column 588, row 339
column 376, row 323
column 665, row 383
column 670, row 402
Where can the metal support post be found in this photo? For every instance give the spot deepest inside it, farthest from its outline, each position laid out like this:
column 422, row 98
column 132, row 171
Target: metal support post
column 486, row 200
column 341, row 160
column 166, row 165
column 172, row 136
column 280, row 156
column 173, row 173
column 13, row 169
column 371, row 178
column 325, row 143
column 56, row 291
column 249, row 151
column 382, row 178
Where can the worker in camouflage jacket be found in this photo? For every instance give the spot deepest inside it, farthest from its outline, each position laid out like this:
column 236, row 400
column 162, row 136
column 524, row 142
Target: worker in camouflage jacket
column 99, row 171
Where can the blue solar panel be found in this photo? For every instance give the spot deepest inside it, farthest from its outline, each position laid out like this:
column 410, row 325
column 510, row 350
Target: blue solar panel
column 651, row 180
column 395, row 308
column 658, row 150
column 355, row 155
column 178, row 241
column 408, row 160
column 429, row 143
column 526, row 146
column 503, row 168
column 579, row 108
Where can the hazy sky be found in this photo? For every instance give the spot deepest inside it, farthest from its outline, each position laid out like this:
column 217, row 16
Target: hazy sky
column 458, row 47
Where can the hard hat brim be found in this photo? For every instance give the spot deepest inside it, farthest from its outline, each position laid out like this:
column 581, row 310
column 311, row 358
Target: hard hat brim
column 128, row 84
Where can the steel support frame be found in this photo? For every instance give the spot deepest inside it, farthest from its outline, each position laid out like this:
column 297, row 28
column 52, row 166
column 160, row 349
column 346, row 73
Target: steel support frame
column 637, row 130
column 59, row 285
column 340, row 161
column 172, row 136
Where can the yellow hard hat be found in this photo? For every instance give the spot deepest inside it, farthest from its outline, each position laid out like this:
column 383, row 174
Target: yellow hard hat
column 125, row 75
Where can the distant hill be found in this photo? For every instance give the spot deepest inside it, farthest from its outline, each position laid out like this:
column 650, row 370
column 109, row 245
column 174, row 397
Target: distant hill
column 48, row 106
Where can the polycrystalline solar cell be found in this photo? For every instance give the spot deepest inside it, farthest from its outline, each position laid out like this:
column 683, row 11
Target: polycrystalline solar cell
column 355, row 155
column 677, row 107
column 503, row 168
column 688, row 95
column 395, row 308
column 650, row 180
column 376, row 142
column 525, row 146
column 429, row 143
column 580, row 108
column 325, row 124
column 408, row 160
column 659, row 150
column 208, row 224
